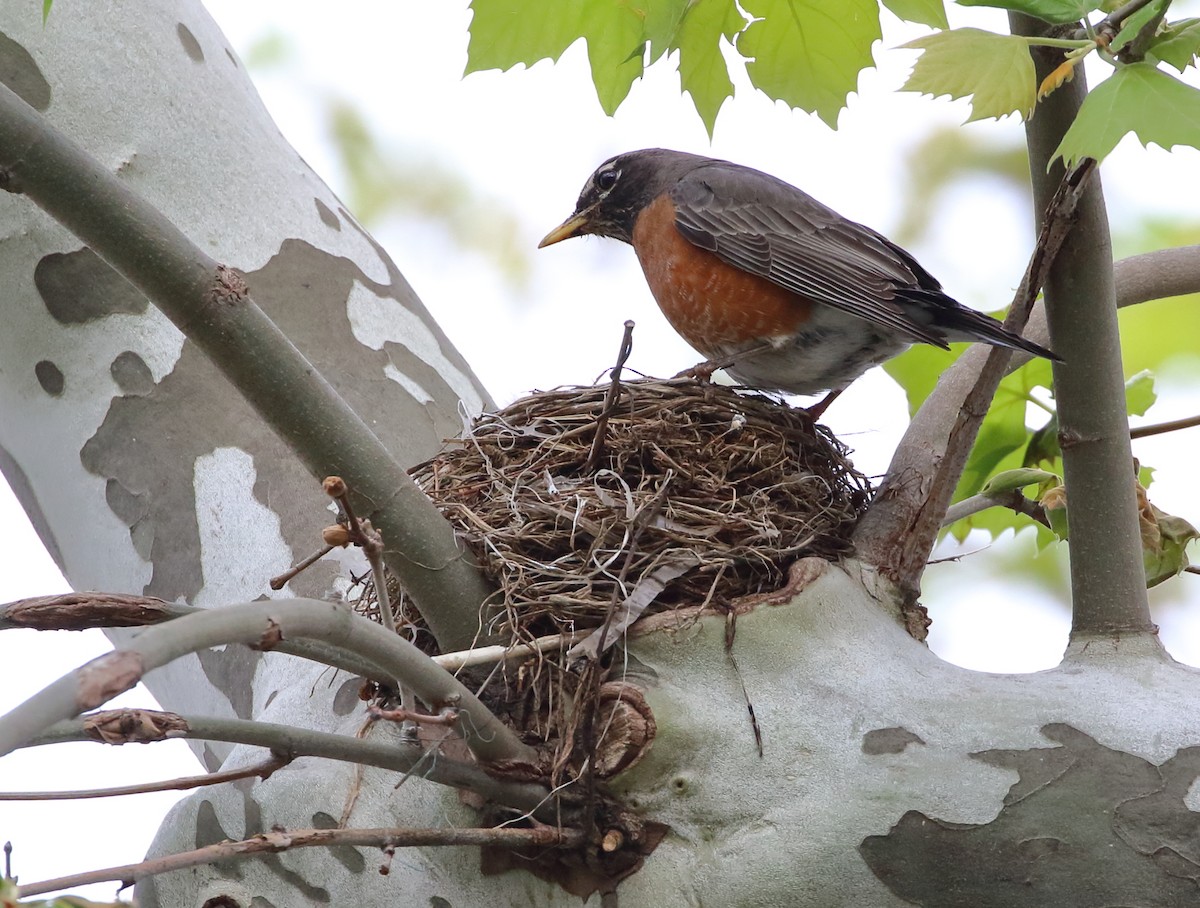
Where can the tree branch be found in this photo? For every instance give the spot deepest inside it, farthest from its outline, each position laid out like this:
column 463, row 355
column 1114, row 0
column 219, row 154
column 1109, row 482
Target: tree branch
column 264, row 624
column 283, row 840
column 1156, row 275
column 1108, row 583
column 261, row 770
column 897, row 533
column 209, row 303
column 395, row 753
column 1012, row 499
column 1188, row 422
column 79, row 611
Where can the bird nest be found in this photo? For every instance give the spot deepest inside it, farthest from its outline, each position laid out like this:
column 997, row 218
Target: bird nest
column 648, row 494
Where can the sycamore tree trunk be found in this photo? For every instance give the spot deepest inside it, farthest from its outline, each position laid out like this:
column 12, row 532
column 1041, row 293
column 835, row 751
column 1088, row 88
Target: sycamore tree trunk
column 887, row 776
column 141, row 466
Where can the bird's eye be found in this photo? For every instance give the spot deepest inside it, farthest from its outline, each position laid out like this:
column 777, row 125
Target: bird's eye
column 607, row 179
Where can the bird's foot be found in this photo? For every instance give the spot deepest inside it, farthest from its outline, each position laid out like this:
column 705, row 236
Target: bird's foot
column 817, row 410
column 702, row 372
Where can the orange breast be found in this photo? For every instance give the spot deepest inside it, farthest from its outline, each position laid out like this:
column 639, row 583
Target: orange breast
column 717, row 308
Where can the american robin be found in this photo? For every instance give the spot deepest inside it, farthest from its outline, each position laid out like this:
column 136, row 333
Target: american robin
column 763, row 279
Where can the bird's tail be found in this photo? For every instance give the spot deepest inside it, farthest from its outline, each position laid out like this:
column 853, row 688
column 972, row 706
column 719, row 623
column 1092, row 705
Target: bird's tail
column 970, row 325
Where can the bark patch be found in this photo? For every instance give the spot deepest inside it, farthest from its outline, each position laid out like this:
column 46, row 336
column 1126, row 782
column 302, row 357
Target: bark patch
column 888, row 741
column 1084, row 825
column 20, row 72
column 79, row 287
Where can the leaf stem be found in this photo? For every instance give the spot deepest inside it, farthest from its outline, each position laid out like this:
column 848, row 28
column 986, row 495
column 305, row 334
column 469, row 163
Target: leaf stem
column 1065, row 43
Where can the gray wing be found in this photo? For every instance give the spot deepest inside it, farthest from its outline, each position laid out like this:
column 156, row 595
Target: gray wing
column 767, row 227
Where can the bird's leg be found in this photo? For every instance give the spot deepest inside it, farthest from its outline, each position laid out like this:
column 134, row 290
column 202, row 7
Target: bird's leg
column 704, row 371
column 817, row 410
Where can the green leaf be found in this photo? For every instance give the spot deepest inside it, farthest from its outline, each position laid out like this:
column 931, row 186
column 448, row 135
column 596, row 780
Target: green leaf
column 1057, row 12
column 46, row 4
column 996, row 71
column 1135, row 23
column 702, row 70
column 926, row 12
column 616, row 40
column 1177, row 44
column 1139, row 393
column 808, row 53
column 1002, row 438
column 504, row 33
column 662, row 19
column 1011, row 480
column 1054, row 504
column 1138, row 98
column 507, row 32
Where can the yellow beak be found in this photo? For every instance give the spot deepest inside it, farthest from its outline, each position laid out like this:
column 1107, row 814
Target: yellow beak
column 572, row 226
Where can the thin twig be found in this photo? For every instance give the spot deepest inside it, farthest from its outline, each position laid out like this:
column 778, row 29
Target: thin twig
column 1112, row 22
column 79, row 611
column 446, row 717
column 263, row 624
column 385, row 752
column 1012, row 499
column 366, row 537
column 279, row 582
column 1162, row 428
column 278, row 840
column 261, row 770
column 485, row 655
column 610, row 401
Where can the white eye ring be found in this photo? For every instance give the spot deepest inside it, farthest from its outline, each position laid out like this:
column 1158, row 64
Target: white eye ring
column 607, row 179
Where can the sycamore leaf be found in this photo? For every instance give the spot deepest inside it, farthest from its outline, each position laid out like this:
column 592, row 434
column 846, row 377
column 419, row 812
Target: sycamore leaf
column 1177, row 44
column 662, row 19
column 925, row 12
column 808, row 53
column 702, row 70
column 504, row 33
column 995, row 70
column 1135, row 23
column 1137, row 98
column 1057, row 12
column 615, row 38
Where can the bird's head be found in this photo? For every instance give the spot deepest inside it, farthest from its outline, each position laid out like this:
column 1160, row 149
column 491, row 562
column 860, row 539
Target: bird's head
column 615, row 194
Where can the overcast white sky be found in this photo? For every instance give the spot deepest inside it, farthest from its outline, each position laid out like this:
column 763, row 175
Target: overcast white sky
column 528, row 140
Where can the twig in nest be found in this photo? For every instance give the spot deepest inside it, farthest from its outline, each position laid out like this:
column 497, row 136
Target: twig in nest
column 632, row 609
column 614, row 389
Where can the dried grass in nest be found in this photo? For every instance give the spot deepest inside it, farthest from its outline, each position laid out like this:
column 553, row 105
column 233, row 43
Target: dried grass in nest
column 727, row 488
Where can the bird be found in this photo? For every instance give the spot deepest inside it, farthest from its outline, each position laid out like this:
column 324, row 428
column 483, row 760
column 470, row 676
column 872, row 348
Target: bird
column 766, row 282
